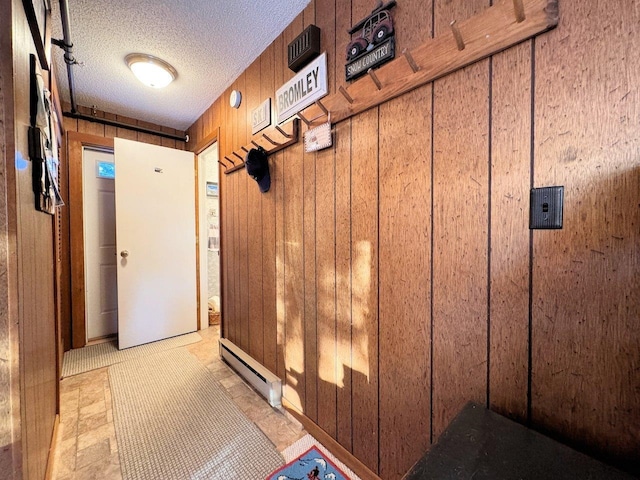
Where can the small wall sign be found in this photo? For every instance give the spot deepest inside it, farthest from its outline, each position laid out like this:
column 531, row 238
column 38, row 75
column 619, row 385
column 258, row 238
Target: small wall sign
column 261, row 117
column 373, row 43
column 302, row 90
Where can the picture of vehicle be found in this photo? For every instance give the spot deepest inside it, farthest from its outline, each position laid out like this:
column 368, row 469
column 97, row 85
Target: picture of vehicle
column 375, row 28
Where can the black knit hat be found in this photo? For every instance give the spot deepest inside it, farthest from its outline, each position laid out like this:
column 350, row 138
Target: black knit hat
column 257, row 165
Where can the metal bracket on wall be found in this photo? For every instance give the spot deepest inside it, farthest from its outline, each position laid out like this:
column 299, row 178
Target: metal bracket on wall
column 273, row 140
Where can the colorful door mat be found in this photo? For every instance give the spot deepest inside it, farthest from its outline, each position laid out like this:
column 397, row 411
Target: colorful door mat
column 311, row 465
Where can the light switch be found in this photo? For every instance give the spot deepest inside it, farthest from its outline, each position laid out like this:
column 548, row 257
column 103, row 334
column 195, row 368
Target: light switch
column 546, row 208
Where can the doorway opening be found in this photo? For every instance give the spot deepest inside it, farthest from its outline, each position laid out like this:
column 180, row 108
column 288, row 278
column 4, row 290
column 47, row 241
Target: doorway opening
column 209, row 221
column 100, row 256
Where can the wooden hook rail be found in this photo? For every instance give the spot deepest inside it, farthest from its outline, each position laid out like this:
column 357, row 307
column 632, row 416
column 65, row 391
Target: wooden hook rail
column 502, row 25
column 289, row 138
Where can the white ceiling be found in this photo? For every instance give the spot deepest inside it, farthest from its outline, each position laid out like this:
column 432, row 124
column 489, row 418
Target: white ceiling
column 209, row 42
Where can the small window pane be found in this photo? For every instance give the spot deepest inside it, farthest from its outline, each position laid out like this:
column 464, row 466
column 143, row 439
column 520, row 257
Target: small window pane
column 106, row 170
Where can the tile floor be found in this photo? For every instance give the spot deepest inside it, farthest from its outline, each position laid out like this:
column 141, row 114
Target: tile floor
column 87, row 446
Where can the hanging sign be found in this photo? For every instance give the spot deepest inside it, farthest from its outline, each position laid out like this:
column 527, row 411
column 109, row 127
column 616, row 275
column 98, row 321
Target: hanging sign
column 309, row 85
column 261, row 117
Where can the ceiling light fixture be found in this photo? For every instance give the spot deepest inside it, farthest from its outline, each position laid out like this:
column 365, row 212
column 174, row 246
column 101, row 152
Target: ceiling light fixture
column 150, row 70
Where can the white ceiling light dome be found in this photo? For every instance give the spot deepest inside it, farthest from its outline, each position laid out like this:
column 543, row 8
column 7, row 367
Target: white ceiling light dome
column 150, row 70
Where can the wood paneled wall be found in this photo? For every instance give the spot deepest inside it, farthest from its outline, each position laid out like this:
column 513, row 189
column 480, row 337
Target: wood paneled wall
column 393, row 278
column 99, row 130
column 29, row 343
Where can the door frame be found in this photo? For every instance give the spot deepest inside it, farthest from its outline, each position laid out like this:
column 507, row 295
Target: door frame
column 201, row 146
column 76, row 142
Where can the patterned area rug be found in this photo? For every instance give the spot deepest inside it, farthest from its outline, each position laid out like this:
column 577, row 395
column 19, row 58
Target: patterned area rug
column 304, row 452
column 174, row 421
column 104, row 354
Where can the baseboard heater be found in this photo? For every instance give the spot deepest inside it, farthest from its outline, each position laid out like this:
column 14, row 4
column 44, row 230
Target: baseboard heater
column 265, row 382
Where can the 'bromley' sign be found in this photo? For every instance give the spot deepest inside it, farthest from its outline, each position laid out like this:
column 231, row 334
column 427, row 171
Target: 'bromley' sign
column 308, row 86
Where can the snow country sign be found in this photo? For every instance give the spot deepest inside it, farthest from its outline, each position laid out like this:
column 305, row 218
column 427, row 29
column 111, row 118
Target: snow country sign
column 308, row 86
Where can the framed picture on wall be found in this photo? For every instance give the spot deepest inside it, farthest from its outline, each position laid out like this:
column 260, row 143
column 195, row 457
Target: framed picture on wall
column 212, row 189
column 38, row 14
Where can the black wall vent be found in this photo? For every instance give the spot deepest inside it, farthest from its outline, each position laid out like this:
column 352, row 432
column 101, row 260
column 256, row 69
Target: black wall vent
column 304, row 48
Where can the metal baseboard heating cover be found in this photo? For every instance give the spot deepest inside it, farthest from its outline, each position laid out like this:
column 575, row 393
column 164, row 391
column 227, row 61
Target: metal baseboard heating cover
column 265, row 382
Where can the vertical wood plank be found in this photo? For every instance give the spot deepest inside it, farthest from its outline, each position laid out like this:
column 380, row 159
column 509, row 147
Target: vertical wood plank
column 294, row 277
column 343, row 282
column 586, row 288
column 125, row 132
column 326, row 246
column 461, row 185
column 309, row 242
column 405, row 223
column 510, row 183
column 342, row 139
column 279, row 185
column 254, row 232
column 92, row 128
column 364, row 287
column 270, row 338
column 147, row 137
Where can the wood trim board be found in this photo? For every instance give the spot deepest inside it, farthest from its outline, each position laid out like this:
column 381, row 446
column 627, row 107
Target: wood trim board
column 75, row 144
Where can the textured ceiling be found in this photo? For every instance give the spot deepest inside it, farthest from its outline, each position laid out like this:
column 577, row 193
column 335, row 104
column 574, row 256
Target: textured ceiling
column 209, row 42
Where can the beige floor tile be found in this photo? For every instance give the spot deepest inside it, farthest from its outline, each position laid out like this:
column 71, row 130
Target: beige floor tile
column 93, row 454
column 93, row 409
column 105, row 469
column 103, row 432
column 88, row 424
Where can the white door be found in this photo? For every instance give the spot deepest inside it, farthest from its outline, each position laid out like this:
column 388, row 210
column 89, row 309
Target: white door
column 99, row 223
column 156, row 242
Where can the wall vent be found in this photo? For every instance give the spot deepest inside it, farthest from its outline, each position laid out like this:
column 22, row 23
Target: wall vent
column 265, row 382
column 304, row 48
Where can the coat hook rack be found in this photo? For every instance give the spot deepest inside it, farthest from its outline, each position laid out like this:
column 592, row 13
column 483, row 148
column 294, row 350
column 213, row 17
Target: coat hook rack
column 375, row 78
column 518, row 6
column 457, row 35
column 412, row 63
column 291, row 138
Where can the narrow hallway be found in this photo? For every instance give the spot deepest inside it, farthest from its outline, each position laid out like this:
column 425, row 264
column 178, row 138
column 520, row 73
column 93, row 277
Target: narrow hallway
column 86, row 444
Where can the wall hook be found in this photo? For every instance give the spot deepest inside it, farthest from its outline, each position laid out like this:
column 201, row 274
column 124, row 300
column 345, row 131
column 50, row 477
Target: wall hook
column 246, row 150
column 239, row 156
column 322, row 107
column 284, row 134
column 223, row 164
column 255, row 144
column 229, row 160
column 412, row 63
column 345, row 94
column 375, row 78
column 304, row 119
column 269, row 140
column 457, row 35
column 519, row 10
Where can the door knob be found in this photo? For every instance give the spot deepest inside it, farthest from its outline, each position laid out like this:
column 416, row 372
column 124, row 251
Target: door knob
column 124, row 253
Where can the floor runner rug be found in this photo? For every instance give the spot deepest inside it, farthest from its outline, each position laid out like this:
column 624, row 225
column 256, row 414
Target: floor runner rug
column 174, row 421
column 102, row 355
